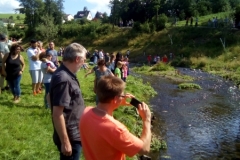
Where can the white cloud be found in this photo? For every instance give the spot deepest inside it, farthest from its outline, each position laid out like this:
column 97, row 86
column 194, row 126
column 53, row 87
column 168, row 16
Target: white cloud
column 8, row 6
column 100, row 5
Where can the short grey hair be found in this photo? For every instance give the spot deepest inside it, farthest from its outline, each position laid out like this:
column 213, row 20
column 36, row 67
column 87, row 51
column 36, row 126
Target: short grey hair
column 72, row 51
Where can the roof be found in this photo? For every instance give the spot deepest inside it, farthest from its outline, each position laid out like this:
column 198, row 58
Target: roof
column 65, row 16
column 81, row 14
column 98, row 15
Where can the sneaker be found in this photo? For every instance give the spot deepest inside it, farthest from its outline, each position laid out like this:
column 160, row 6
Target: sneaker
column 6, row 88
column 34, row 93
column 17, row 100
column 39, row 92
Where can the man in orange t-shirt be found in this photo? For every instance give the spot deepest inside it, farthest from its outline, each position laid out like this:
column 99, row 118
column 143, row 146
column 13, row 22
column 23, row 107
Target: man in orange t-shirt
column 105, row 138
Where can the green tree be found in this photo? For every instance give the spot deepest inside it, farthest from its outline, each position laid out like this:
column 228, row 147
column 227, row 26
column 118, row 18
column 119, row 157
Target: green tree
column 47, row 29
column 115, row 6
column 237, row 16
column 204, row 7
column 156, row 6
column 220, row 6
column 162, row 20
column 11, row 17
column 18, row 17
column 234, row 3
column 55, row 8
column 33, row 10
column 105, row 18
column 3, row 29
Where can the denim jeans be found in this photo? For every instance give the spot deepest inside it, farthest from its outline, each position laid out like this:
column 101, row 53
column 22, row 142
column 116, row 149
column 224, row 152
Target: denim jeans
column 14, row 85
column 46, row 85
column 76, row 150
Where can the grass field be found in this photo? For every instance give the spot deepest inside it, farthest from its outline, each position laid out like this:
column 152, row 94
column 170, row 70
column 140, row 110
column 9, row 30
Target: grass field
column 20, row 21
column 203, row 20
column 26, row 128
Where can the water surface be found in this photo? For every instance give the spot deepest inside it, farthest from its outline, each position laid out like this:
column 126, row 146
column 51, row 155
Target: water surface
column 197, row 124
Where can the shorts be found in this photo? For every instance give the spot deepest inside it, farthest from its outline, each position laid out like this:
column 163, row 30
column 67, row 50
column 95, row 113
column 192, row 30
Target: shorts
column 36, row 76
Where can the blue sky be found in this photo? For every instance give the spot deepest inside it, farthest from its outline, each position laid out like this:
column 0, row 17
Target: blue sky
column 70, row 6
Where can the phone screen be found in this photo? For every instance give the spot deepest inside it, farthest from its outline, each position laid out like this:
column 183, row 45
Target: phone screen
column 135, row 102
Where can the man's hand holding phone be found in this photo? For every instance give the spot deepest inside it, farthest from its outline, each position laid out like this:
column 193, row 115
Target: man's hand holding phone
column 144, row 112
column 143, row 109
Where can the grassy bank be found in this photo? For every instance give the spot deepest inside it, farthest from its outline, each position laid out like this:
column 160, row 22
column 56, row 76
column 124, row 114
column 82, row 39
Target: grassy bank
column 16, row 20
column 193, row 47
column 26, row 127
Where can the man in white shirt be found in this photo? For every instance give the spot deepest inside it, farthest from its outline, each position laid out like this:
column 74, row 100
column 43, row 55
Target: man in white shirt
column 35, row 67
column 101, row 56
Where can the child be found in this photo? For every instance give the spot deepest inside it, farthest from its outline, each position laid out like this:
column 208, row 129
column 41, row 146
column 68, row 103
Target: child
column 125, row 72
column 117, row 71
column 47, row 68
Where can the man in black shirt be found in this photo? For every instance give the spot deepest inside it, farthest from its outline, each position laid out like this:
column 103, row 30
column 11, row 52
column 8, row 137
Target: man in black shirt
column 67, row 103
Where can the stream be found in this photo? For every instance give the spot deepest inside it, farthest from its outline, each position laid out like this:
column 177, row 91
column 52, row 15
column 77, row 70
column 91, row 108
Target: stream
column 197, row 124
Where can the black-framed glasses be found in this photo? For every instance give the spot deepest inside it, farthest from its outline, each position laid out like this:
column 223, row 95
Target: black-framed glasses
column 123, row 96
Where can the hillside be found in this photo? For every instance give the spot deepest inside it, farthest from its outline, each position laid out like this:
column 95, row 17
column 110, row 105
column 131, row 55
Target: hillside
column 195, row 47
column 19, row 20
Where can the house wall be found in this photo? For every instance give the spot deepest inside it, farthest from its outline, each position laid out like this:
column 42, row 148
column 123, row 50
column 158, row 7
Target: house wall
column 89, row 17
column 6, row 24
column 69, row 18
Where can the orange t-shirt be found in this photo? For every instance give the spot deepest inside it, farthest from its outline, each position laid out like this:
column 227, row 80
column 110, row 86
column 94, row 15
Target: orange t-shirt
column 104, row 138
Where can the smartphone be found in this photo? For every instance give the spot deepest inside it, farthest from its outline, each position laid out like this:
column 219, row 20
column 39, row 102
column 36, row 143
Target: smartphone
column 144, row 157
column 135, row 102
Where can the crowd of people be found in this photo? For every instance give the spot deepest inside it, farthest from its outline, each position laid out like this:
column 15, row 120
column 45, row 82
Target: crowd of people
column 75, row 125
column 157, row 59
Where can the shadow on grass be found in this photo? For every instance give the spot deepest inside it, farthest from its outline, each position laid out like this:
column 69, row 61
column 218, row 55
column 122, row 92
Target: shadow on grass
column 10, row 104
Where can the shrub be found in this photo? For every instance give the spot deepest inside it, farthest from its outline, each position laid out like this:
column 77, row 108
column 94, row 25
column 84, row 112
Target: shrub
column 145, row 28
column 152, row 27
column 17, row 34
column 141, row 69
column 189, row 86
column 137, row 26
column 179, row 62
column 3, row 29
column 161, row 23
column 161, row 67
column 104, row 29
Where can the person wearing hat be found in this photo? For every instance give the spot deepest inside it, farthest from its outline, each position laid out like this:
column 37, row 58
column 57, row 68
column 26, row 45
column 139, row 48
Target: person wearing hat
column 35, row 67
column 3, row 50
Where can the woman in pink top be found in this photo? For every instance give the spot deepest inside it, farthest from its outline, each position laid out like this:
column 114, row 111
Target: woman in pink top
column 124, row 72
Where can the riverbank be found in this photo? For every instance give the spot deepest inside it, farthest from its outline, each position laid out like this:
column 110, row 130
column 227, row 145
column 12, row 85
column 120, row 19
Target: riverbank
column 26, row 127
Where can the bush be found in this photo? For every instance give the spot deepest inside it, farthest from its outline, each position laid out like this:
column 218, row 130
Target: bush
column 152, row 27
column 178, row 62
column 145, row 28
column 104, row 29
column 3, row 29
column 161, row 23
column 17, row 34
column 137, row 26
column 161, row 67
column 189, row 86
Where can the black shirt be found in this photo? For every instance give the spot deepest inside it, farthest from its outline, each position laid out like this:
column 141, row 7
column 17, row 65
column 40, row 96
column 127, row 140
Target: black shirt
column 13, row 67
column 65, row 91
